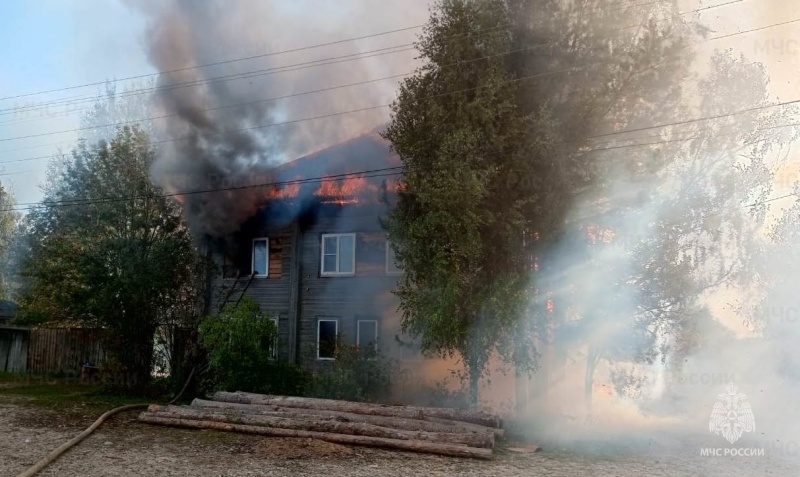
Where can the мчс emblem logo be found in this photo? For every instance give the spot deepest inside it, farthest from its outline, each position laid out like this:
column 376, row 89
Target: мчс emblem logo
column 732, row 415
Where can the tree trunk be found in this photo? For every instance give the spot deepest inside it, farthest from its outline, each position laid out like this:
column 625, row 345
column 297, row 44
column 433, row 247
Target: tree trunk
column 407, row 445
column 385, row 421
column 592, row 358
column 474, row 381
column 321, row 424
column 410, row 412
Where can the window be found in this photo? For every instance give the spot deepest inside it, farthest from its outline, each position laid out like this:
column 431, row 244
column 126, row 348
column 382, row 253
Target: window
column 260, row 258
column 367, row 335
column 391, row 261
column 338, row 254
column 327, row 331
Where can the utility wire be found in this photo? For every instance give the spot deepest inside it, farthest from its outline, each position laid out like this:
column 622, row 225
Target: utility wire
column 384, row 172
column 365, row 173
column 518, row 79
column 249, row 74
column 694, row 120
column 217, row 63
column 276, row 98
column 252, row 57
column 243, row 75
column 368, row 108
column 218, row 79
column 380, row 106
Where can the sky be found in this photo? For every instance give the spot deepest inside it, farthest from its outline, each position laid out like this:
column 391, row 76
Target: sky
column 50, row 44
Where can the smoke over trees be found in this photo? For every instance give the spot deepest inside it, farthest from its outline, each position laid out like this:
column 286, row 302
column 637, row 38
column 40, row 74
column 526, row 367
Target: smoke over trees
column 664, row 206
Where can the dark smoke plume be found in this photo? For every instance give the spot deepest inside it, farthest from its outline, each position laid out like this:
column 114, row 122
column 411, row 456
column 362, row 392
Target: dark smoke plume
column 211, row 144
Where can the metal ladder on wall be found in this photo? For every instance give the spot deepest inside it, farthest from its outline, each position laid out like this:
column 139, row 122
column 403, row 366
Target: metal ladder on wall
column 235, row 294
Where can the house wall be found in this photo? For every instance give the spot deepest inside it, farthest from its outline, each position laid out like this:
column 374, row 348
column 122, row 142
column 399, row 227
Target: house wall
column 272, row 293
column 363, row 296
column 299, row 296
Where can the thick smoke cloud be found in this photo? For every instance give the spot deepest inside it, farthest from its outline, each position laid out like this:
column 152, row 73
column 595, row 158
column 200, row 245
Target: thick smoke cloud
column 210, row 143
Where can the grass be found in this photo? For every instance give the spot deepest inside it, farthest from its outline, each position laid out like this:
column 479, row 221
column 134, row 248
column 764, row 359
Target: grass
column 61, row 394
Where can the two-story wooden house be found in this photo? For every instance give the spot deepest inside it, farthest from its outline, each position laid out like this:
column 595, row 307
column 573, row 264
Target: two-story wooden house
column 315, row 257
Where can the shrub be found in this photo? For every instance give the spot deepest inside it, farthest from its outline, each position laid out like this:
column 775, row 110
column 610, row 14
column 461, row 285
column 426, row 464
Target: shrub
column 356, row 375
column 240, row 343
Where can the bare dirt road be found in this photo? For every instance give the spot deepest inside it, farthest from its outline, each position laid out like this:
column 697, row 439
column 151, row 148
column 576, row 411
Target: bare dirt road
column 126, row 447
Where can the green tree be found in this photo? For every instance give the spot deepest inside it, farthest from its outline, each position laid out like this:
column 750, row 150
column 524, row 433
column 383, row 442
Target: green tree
column 108, row 250
column 8, row 222
column 459, row 225
column 513, row 139
column 494, row 131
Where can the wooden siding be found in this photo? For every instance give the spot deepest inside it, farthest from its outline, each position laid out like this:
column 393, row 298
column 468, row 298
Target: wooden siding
column 300, row 295
column 272, row 292
column 13, row 350
column 63, row 350
column 365, row 295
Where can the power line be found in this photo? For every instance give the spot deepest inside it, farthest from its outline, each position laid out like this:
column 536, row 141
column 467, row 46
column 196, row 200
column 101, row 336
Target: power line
column 384, row 172
column 694, row 120
column 243, row 75
column 368, row 108
column 357, row 54
column 683, row 139
column 397, row 169
column 339, row 113
column 513, row 80
column 287, row 96
column 223, row 62
column 373, row 173
column 250, row 74
column 252, row 57
column 218, row 79
column 277, row 98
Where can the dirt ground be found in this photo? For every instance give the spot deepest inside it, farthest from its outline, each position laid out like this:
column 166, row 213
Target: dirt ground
column 125, row 447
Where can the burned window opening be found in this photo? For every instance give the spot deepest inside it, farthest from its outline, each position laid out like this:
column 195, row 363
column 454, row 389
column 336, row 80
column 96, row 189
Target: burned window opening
column 327, row 333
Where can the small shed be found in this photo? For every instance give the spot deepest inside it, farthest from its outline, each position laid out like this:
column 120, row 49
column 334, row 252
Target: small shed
column 13, row 340
column 8, row 310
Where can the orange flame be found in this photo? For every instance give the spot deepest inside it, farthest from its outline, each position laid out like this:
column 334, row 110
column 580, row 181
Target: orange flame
column 284, row 192
column 345, row 191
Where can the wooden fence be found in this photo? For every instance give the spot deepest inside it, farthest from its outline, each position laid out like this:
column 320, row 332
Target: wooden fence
column 13, row 349
column 63, row 350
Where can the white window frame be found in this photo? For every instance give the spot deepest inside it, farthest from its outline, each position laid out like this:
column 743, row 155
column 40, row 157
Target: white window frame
column 253, row 256
column 319, row 328
column 322, row 254
column 387, row 261
column 275, row 320
column 358, row 333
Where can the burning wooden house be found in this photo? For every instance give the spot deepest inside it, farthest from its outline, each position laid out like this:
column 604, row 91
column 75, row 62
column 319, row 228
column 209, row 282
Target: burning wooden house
column 315, row 256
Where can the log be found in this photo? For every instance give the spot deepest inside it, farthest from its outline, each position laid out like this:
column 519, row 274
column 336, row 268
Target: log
column 410, row 412
column 407, row 445
column 498, row 432
column 318, row 424
column 427, row 424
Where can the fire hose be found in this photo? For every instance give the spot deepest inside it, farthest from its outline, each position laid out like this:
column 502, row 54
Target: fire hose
column 58, row 452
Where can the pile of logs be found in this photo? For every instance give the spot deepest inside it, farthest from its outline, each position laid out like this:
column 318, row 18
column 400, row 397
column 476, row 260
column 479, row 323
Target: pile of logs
column 444, row 431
